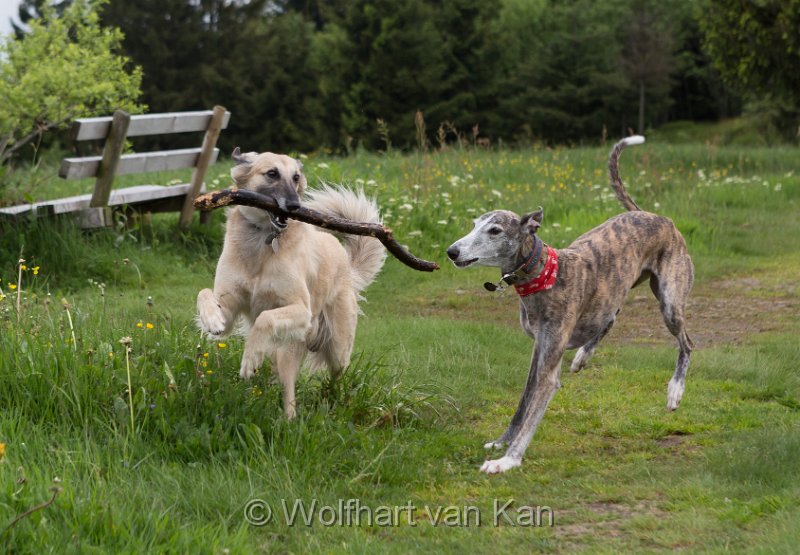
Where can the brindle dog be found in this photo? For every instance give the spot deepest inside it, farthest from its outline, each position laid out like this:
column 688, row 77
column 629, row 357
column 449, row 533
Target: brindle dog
column 578, row 304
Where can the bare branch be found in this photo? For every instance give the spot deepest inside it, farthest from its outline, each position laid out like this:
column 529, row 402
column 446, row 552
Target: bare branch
column 217, row 199
column 55, row 489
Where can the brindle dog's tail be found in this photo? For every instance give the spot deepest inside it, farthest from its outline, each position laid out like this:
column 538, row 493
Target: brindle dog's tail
column 613, row 171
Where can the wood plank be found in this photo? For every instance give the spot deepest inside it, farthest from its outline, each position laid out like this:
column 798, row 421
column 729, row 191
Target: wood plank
column 129, row 196
column 147, row 124
column 203, row 161
column 112, row 151
column 78, row 168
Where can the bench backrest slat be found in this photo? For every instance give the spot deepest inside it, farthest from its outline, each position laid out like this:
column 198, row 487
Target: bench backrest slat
column 78, row 168
column 147, row 124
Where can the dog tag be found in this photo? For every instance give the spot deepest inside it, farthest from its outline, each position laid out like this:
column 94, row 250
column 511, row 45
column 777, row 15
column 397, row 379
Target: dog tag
column 275, row 245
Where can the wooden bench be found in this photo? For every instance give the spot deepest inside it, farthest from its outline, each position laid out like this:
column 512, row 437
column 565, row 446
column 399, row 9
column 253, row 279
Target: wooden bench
column 96, row 209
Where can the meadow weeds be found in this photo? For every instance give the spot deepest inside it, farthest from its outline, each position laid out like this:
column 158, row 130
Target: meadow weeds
column 109, row 392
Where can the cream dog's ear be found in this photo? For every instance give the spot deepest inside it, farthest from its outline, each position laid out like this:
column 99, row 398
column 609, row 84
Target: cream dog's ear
column 240, row 171
column 240, row 158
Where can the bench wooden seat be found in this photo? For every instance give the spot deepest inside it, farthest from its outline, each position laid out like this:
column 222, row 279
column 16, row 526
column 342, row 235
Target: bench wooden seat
column 96, row 209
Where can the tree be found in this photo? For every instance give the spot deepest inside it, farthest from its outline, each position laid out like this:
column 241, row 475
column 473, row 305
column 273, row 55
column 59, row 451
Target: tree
column 64, row 68
column 755, row 45
column 648, row 57
column 559, row 80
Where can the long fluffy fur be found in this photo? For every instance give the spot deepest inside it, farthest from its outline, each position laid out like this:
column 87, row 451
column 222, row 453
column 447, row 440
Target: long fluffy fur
column 367, row 254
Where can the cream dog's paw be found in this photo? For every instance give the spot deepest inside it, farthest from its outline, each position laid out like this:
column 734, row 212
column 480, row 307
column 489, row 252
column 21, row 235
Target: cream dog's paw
column 209, row 314
column 250, row 364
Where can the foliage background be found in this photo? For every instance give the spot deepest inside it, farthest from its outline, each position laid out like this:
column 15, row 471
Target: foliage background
column 311, row 74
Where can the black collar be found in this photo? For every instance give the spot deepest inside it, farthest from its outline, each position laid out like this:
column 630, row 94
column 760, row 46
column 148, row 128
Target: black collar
column 524, row 271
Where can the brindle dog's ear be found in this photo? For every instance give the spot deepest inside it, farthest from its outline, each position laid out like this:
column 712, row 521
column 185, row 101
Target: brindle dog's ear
column 530, row 223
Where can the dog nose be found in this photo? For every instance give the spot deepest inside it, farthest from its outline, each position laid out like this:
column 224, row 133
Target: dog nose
column 292, row 205
column 453, row 252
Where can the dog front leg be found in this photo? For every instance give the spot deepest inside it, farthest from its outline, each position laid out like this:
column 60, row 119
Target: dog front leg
column 216, row 314
column 272, row 329
column 519, row 414
column 543, row 381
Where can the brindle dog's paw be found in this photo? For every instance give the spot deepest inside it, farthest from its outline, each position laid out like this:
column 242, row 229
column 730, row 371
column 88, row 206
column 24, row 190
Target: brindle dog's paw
column 500, row 465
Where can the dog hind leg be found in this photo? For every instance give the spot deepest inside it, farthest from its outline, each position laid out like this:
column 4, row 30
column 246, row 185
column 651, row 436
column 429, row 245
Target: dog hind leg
column 586, row 351
column 342, row 332
column 672, row 292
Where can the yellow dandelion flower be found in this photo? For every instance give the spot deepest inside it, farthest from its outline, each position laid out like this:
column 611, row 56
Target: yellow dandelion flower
column 205, row 364
column 35, row 270
column 205, row 355
column 149, row 326
column 23, row 267
column 12, row 286
column 2, row 451
column 111, row 355
column 222, row 345
column 139, row 324
column 209, row 372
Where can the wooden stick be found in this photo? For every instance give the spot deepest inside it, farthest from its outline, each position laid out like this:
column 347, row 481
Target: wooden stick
column 55, row 489
column 217, row 199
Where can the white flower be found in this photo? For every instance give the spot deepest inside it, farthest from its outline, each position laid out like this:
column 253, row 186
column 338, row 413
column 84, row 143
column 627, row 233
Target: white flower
column 370, row 182
column 303, row 156
column 359, row 181
column 496, row 193
column 415, row 233
column 323, row 166
column 406, row 206
column 777, row 187
column 657, row 205
column 555, row 224
column 442, row 222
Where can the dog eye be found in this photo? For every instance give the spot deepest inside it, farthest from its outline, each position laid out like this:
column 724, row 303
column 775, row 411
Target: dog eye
column 296, row 177
column 495, row 231
column 273, row 173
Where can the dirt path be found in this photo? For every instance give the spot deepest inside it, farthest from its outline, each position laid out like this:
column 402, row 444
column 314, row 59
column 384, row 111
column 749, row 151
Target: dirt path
column 719, row 312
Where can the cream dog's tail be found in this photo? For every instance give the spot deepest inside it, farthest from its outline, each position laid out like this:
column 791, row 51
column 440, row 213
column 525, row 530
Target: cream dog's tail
column 613, row 171
column 366, row 253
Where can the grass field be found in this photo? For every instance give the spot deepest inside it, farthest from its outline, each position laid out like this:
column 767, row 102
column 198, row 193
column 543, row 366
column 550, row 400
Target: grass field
column 170, row 464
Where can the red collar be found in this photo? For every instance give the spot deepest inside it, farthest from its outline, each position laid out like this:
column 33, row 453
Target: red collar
column 544, row 280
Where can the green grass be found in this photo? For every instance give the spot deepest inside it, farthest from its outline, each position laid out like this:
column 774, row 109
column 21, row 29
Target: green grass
column 440, row 368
